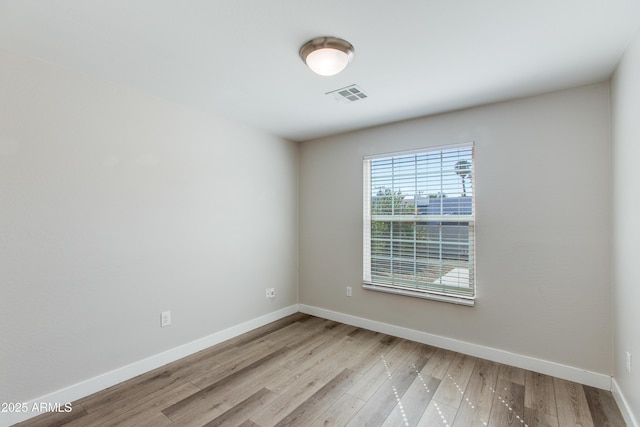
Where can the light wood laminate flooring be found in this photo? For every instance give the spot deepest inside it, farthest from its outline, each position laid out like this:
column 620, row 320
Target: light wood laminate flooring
column 307, row 371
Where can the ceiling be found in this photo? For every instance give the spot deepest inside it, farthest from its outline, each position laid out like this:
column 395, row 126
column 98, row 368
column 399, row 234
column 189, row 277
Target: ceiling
column 239, row 58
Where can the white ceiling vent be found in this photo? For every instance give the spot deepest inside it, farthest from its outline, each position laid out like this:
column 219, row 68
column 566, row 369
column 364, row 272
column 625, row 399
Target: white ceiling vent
column 348, row 94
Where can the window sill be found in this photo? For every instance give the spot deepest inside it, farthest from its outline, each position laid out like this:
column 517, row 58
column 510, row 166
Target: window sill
column 470, row 302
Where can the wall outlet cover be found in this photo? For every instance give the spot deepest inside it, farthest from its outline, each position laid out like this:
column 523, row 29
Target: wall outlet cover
column 165, row 319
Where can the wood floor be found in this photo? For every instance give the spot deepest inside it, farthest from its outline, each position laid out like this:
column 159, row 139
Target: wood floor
column 307, row 371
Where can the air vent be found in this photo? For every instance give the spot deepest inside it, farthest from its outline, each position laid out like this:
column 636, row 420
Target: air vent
column 348, row 94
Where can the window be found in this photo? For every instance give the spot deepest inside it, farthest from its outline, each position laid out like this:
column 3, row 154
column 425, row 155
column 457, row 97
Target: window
column 419, row 223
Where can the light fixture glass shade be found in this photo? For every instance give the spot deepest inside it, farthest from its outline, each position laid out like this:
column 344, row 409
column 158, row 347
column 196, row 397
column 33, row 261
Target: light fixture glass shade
column 327, row 61
column 326, row 56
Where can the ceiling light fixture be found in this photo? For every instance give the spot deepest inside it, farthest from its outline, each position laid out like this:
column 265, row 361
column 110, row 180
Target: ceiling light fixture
column 326, row 56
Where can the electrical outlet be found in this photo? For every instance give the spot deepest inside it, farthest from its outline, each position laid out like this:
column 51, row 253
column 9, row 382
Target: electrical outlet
column 348, row 291
column 270, row 293
column 629, row 361
column 165, row 318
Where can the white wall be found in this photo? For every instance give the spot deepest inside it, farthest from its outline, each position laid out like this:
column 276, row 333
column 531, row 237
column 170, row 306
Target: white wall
column 625, row 112
column 542, row 183
column 115, row 206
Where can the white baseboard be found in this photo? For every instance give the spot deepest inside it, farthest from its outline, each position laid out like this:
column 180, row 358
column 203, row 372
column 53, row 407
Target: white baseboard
column 100, row 382
column 624, row 406
column 570, row 373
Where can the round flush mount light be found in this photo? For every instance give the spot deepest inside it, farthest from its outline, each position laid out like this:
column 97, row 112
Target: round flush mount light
column 326, row 56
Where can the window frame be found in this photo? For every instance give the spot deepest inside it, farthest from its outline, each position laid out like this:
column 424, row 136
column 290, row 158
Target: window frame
column 417, row 288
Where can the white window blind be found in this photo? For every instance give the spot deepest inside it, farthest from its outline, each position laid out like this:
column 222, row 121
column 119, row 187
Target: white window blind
column 419, row 223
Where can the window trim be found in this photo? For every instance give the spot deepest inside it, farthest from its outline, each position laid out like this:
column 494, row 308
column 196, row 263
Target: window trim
column 431, row 294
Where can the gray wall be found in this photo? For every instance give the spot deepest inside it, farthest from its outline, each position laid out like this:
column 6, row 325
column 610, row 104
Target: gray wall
column 625, row 103
column 543, row 273
column 115, row 206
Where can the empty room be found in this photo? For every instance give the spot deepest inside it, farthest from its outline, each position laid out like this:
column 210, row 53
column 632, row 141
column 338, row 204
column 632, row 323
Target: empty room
column 341, row 213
